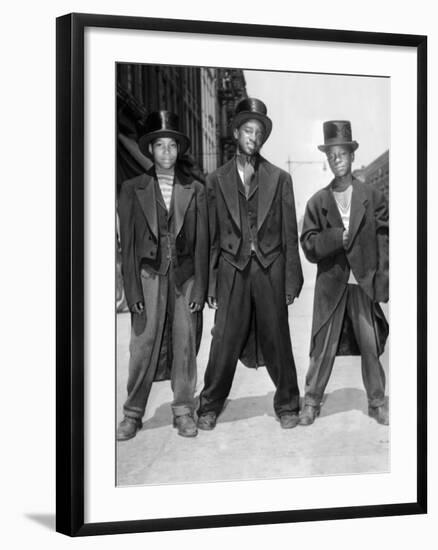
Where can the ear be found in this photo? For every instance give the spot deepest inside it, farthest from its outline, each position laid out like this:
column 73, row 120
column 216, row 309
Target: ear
column 236, row 133
column 150, row 149
column 352, row 156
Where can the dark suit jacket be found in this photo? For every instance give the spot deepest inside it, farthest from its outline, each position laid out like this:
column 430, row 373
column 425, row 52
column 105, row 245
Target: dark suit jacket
column 367, row 253
column 276, row 221
column 140, row 236
column 276, row 231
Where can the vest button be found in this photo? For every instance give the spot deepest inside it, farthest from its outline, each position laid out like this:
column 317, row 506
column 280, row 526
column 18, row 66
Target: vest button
column 230, row 246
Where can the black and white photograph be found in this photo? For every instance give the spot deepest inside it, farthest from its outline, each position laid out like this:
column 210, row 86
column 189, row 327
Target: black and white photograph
column 218, row 275
column 241, row 347
column 252, row 274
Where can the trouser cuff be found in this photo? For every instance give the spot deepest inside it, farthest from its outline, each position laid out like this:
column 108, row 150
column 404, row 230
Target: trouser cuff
column 312, row 401
column 181, row 410
column 373, row 403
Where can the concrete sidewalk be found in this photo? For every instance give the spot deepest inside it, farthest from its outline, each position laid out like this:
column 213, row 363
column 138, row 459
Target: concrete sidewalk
column 248, row 442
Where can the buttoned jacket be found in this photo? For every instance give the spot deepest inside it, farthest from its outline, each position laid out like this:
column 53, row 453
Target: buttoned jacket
column 140, row 239
column 276, row 226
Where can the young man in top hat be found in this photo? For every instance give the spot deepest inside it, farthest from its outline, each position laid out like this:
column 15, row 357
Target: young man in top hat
column 164, row 240
column 345, row 232
column 255, row 269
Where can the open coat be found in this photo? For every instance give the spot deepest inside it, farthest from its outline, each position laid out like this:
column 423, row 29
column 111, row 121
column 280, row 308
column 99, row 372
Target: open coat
column 140, row 239
column 277, row 232
column 366, row 255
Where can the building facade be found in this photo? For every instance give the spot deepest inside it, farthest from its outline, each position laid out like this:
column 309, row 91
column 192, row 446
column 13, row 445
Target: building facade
column 231, row 89
column 376, row 173
column 203, row 98
column 209, row 113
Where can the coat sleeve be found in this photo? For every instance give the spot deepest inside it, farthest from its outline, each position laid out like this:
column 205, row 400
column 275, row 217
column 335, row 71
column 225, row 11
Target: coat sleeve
column 199, row 290
column 381, row 280
column 131, row 277
column 294, row 273
column 214, row 248
column 319, row 243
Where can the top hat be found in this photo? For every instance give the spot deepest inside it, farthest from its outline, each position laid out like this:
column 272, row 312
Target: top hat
column 251, row 108
column 337, row 132
column 162, row 124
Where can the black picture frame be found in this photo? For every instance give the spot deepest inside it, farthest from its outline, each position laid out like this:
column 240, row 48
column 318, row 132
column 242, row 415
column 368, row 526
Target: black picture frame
column 70, row 273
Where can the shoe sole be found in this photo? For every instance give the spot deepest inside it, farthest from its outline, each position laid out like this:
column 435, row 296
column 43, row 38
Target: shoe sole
column 187, row 435
column 206, row 428
column 311, row 422
column 378, row 422
column 139, row 427
column 194, row 434
column 289, row 427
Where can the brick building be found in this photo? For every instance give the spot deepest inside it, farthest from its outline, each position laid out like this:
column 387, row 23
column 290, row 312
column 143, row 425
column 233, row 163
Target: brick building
column 376, row 173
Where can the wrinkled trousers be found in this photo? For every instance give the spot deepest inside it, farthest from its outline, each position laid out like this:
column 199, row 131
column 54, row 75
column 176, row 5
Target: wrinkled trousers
column 358, row 306
column 242, row 294
column 164, row 302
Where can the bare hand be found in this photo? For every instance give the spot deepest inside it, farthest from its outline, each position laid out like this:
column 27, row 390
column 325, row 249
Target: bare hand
column 345, row 238
column 138, row 308
column 194, row 307
column 289, row 299
column 212, row 302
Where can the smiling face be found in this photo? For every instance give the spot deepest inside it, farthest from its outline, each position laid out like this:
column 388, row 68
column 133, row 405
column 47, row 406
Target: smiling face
column 165, row 152
column 249, row 137
column 340, row 159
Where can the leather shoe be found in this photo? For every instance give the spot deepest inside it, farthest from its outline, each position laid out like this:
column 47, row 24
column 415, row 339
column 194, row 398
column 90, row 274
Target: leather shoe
column 308, row 415
column 380, row 414
column 128, row 428
column 186, row 425
column 207, row 421
column 289, row 420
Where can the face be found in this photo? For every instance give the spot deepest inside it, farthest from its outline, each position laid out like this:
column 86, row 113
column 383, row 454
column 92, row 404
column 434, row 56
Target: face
column 164, row 151
column 249, row 137
column 340, row 159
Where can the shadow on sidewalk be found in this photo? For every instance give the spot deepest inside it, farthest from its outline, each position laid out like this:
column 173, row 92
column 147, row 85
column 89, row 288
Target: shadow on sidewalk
column 244, row 408
column 345, row 399
column 241, row 408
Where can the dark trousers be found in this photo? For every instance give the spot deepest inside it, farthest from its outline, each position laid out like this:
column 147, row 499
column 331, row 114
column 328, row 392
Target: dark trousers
column 358, row 306
column 164, row 302
column 241, row 294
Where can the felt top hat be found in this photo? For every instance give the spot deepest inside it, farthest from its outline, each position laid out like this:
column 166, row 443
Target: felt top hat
column 162, row 124
column 251, row 108
column 337, row 132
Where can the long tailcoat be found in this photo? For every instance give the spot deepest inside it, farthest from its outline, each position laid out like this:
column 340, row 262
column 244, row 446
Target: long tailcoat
column 140, row 239
column 366, row 255
column 276, row 229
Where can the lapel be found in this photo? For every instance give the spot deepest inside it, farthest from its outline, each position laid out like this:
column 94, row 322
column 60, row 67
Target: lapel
column 228, row 179
column 267, row 179
column 330, row 209
column 357, row 212
column 145, row 192
column 182, row 195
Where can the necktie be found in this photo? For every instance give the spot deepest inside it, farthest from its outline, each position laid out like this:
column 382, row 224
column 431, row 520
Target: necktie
column 247, row 163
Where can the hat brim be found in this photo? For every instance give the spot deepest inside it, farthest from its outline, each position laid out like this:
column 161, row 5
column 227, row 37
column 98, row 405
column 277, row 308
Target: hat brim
column 352, row 144
column 179, row 137
column 243, row 116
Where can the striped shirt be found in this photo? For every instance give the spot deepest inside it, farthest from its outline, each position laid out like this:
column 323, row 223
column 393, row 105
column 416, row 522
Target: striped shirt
column 165, row 181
